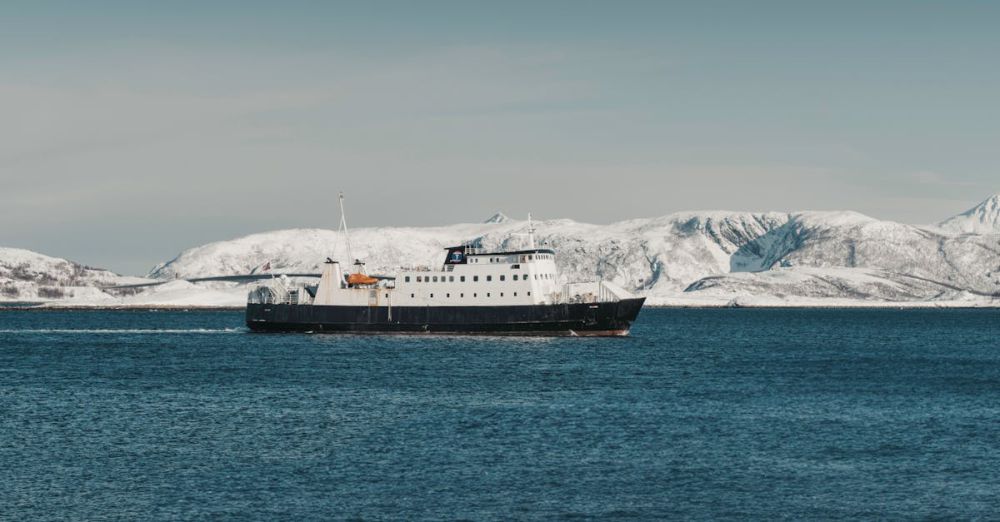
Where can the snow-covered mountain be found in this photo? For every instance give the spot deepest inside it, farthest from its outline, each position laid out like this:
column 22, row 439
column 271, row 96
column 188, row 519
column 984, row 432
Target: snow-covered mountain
column 697, row 258
column 983, row 218
column 499, row 217
column 688, row 257
column 30, row 276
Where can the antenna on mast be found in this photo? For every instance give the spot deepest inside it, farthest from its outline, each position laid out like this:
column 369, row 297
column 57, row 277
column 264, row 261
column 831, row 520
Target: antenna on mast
column 343, row 226
column 531, row 234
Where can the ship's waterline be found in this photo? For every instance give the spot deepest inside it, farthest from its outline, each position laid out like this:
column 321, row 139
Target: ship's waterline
column 514, row 292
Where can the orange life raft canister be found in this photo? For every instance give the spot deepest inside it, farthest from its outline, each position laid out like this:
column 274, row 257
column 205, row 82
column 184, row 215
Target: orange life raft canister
column 360, row 279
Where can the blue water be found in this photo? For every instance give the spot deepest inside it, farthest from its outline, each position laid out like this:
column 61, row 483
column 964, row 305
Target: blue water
column 701, row 414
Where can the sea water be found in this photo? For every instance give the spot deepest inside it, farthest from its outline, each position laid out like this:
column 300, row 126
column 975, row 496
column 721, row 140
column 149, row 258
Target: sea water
column 700, row 414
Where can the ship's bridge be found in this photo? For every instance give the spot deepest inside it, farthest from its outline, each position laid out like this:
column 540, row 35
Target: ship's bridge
column 464, row 255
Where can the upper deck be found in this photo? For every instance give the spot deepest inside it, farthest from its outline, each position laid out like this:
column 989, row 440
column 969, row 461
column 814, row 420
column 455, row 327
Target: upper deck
column 463, row 255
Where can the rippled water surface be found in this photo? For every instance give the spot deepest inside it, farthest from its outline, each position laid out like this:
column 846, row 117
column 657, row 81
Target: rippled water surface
column 700, row 414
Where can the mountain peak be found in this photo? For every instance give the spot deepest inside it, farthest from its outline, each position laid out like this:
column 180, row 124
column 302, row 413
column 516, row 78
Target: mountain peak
column 499, row 217
column 983, row 218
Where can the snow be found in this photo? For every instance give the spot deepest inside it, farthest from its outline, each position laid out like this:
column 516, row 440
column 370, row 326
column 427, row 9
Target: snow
column 704, row 258
column 27, row 276
column 499, row 217
column 984, row 218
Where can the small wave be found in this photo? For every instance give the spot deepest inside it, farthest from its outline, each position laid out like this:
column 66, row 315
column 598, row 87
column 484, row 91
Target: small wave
column 122, row 331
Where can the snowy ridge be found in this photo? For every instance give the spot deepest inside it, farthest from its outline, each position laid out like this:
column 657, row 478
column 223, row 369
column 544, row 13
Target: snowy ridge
column 983, row 218
column 715, row 257
column 30, row 276
column 499, row 217
column 687, row 258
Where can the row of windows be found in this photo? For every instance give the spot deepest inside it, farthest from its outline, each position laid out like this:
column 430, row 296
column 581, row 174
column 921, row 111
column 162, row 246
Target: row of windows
column 462, row 295
column 451, row 279
column 529, row 257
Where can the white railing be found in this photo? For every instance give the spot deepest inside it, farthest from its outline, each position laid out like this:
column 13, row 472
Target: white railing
column 595, row 292
column 263, row 293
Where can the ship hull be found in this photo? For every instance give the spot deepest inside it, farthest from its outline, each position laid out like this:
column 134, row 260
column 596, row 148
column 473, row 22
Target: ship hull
column 583, row 319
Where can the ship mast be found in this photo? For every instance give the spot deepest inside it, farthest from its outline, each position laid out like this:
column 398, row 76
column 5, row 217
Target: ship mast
column 343, row 226
column 531, row 234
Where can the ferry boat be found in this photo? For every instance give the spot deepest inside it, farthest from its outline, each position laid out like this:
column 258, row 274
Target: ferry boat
column 473, row 291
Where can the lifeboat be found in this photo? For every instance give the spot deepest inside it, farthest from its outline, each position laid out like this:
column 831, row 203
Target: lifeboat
column 360, row 279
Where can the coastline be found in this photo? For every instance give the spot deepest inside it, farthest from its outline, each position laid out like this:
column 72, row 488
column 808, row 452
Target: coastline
column 922, row 305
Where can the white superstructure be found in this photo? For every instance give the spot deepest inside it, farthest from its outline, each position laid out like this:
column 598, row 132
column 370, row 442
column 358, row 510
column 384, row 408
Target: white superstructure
column 472, row 278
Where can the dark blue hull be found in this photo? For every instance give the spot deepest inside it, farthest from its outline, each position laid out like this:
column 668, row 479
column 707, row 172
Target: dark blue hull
column 602, row 319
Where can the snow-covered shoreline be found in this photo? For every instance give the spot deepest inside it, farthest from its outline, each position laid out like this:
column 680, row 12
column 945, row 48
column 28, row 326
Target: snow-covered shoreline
column 678, row 304
column 685, row 259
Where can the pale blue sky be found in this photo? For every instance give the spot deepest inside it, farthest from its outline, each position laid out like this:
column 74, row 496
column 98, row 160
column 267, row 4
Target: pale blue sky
column 129, row 131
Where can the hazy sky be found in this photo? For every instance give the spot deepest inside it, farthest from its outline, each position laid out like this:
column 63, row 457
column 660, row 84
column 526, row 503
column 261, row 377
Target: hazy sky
column 131, row 130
